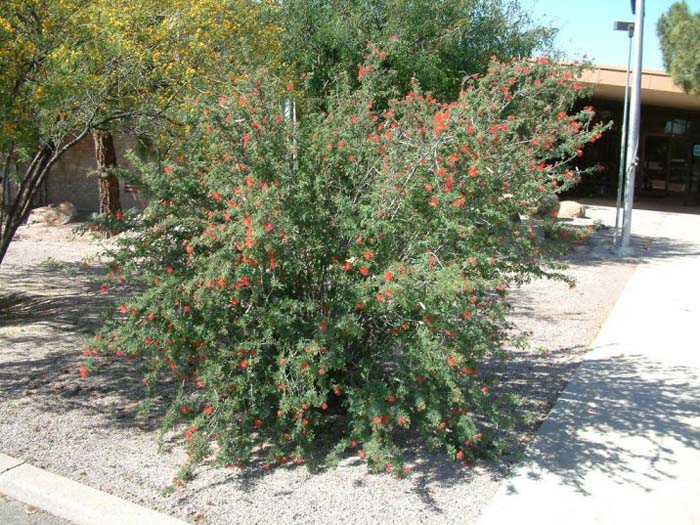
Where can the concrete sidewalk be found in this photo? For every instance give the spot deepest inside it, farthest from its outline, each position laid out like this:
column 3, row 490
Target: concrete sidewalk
column 622, row 444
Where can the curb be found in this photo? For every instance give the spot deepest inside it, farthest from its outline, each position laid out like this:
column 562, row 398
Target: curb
column 71, row 500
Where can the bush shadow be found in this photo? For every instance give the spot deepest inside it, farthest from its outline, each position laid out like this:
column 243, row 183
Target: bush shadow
column 600, row 248
column 619, row 417
column 47, row 313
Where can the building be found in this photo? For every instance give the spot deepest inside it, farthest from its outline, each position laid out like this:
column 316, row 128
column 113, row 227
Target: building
column 669, row 148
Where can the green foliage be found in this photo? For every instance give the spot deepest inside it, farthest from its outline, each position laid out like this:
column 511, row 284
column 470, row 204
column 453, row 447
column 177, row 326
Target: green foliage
column 346, row 276
column 438, row 43
column 68, row 64
column 679, row 32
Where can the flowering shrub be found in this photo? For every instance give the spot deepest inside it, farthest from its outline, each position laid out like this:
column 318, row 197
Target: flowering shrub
column 347, row 272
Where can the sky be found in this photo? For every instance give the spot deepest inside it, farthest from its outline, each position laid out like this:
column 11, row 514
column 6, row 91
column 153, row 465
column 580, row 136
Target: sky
column 586, row 28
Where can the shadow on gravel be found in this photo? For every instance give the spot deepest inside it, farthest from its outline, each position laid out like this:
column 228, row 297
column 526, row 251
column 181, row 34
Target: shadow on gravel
column 646, row 403
column 39, row 295
column 53, row 384
column 46, row 315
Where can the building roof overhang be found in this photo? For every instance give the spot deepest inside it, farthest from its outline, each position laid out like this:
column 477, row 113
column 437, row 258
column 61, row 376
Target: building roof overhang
column 608, row 82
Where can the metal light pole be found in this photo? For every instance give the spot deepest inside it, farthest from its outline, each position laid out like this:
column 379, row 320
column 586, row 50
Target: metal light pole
column 635, row 110
column 629, row 27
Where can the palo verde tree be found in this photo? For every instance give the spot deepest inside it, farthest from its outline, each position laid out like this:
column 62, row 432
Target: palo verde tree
column 71, row 67
column 679, row 32
column 348, row 271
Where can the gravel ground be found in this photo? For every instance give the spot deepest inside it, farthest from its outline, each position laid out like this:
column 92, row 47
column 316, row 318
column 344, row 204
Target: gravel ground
column 86, row 429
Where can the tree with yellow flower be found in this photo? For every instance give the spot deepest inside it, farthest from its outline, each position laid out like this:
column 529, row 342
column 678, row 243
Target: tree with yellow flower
column 69, row 68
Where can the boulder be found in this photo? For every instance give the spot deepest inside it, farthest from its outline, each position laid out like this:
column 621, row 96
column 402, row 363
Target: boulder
column 53, row 215
column 571, row 210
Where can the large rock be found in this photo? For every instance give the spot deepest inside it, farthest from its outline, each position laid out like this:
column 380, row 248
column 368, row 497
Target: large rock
column 572, row 210
column 53, row 215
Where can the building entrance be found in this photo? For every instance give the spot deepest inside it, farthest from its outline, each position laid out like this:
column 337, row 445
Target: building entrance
column 668, row 168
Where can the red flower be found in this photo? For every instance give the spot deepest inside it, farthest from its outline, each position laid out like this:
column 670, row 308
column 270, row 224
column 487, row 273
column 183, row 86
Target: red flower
column 362, row 71
column 323, row 324
column 368, row 255
column 364, row 271
column 208, row 410
column 244, row 364
column 388, row 276
column 83, row 371
column 440, row 121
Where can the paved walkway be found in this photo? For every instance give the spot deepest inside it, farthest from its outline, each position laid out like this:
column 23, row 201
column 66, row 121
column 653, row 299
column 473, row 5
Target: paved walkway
column 622, row 444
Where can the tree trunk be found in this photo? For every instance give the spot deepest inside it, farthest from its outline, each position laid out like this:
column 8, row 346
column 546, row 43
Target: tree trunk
column 107, row 172
column 20, row 207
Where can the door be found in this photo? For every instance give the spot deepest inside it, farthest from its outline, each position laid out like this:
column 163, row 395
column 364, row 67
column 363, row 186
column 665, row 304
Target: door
column 666, row 166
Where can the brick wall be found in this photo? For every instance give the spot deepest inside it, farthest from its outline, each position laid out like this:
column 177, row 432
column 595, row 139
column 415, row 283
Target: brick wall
column 71, row 179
